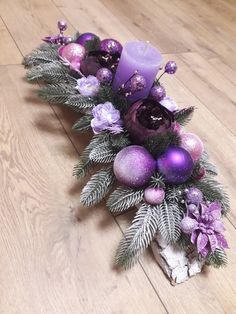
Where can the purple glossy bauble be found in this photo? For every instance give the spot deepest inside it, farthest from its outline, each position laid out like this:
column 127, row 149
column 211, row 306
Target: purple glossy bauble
column 85, row 37
column 72, row 51
column 175, row 164
column 154, row 196
column 193, row 144
column 171, row 67
column 111, row 46
column 157, row 92
column 137, row 83
column 134, row 166
column 194, row 196
column 62, row 25
column 104, row 76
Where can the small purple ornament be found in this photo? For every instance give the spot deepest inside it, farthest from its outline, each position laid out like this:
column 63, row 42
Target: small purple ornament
column 154, row 196
column 134, row 166
column 175, row 164
column 171, row 67
column 85, row 37
column 157, row 92
column 111, row 46
column 194, row 196
column 104, row 76
column 62, row 25
column 137, row 83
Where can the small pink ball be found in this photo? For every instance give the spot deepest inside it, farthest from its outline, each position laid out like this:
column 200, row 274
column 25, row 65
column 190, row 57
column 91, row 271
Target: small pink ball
column 192, row 144
column 154, row 196
column 72, row 51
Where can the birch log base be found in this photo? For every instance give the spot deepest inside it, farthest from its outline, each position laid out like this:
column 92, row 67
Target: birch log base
column 177, row 264
column 56, row 257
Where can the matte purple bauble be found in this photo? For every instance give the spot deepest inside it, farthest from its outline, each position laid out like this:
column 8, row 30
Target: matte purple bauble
column 193, row 144
column 104, row 76
column 134, row 166
column 154, row 196
column 157, row 92
column 194, row 196
column 85, row 37
column 72, row 51
column 111, row 46
column 175, row 164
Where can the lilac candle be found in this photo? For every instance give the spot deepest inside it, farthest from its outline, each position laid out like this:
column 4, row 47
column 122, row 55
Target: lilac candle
column 142, row 57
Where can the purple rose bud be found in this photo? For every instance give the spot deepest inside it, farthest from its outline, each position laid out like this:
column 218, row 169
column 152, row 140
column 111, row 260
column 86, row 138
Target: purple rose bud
column 171, row 67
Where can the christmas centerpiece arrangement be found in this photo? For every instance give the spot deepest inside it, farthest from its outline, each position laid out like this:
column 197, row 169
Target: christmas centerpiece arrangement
column 147, row 159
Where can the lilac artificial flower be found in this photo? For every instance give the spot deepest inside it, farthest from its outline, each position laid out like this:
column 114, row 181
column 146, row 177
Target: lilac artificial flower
column 205, row 227
column 106, row 117
column 169, row 103
column 88, row 86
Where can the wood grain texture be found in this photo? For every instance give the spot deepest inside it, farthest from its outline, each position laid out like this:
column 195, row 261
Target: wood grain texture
column 56, row 257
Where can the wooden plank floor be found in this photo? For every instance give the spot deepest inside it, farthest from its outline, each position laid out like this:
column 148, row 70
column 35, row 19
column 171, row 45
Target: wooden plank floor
column 55, row 256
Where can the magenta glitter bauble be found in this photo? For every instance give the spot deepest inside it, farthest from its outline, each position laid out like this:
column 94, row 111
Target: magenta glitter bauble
column 175, row 164
column 111, row 46
column 72, row 51
column 137, row 83
column 154, row 196
column 134, row 166
column 104, row 76
column 193, row 144
column 157, row 92
column 85, row 37
column 194, row 196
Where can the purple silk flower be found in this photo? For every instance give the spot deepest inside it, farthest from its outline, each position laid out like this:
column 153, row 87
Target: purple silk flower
column 205, row 227
column 88, row 86
column 106, row 117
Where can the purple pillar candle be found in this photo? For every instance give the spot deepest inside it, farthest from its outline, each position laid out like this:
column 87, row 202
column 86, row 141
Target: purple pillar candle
column 142, row 57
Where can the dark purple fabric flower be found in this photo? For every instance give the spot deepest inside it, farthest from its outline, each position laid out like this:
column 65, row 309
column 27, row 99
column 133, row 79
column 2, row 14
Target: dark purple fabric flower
column 205, row 227
column 106, row 117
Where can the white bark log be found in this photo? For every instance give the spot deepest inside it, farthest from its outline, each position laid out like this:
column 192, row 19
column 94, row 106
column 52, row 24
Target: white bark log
column 176, row 263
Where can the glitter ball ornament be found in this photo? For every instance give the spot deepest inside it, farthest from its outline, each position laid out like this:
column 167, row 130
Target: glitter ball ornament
column 157, row 92
column 193, row 144
column 134, row 166
column 194, row 196
column 62, row 25
column 171, row 67
column 188, row 224
column 175, row 164
column 72, row 51
column 137, row 83
column 83, row 38
column 111, row 46
column 154, row 196
column 192, row 208
column 104, row 76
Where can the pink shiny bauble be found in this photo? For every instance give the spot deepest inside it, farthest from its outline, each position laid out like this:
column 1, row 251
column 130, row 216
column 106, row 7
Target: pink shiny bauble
column 72, row 51
column 192, row 144
column 134, row 166
column 154, row 196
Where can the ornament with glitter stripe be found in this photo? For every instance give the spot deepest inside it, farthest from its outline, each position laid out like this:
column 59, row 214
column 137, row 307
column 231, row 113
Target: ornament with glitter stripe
column 134, row 166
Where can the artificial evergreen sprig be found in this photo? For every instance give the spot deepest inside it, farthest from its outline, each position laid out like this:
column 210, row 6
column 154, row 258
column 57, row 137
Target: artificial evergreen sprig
column 45, row 53
column 184, row 116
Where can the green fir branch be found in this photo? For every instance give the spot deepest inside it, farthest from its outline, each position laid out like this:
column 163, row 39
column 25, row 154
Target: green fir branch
column 184, row 116
column 56, row 93
column 138, row 236
column 97, row 187
column 217, row 259
column 78, row 102
column 123, row 198
column 159, row 143
column 119, row 141
column 157, row 181
column 209, row 167
column 83, row 124
column 169, row 221
column 105, row 94
column 45, row 53
column 103, row 153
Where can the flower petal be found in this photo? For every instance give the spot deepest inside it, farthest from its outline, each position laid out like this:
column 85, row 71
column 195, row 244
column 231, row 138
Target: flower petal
column 202, row 240
column 213, row 242
column 218, row 226
column 222, row 241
